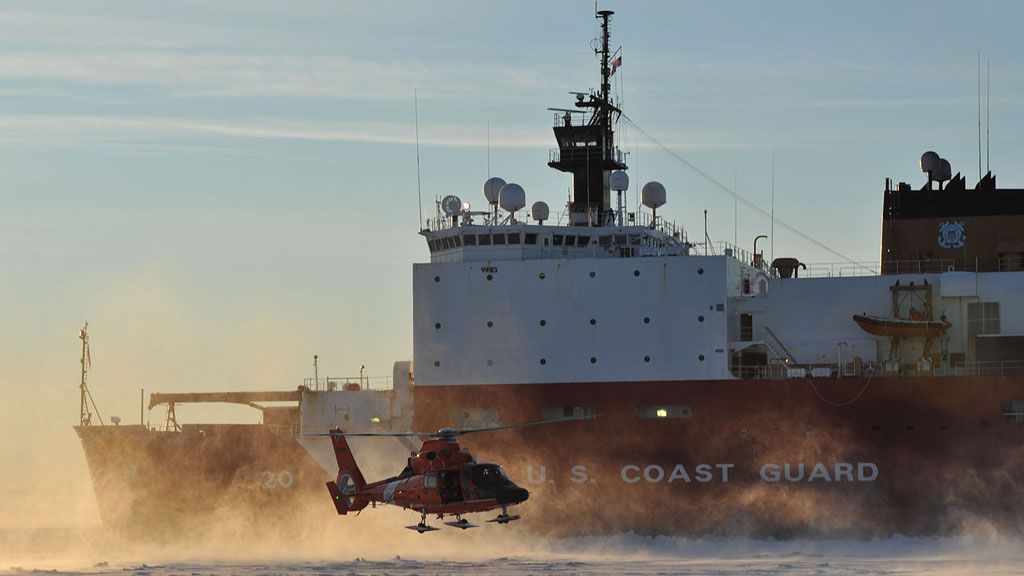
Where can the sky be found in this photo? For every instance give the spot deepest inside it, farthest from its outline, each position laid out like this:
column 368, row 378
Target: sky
column 225, row 188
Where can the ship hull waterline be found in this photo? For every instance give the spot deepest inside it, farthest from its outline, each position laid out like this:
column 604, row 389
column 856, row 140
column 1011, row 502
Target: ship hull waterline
column 835, row 456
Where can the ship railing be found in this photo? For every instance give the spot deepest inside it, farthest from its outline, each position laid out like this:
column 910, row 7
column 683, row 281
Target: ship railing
column 891, row 267
column 574, row 118
column 556, row 155
column 989, row 368
column 351, row 383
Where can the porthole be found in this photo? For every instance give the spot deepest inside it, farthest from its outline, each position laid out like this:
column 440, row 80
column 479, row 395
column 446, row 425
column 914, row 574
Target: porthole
column 437, row 326
column 490, row 362
column 593, row 360
column 593, row 321
column 543, row 361
column 437, row 278
column 490, row 277
column 701, row 357
column 593, row 274
column 541, row 276
column 490, row 324
column 647, row 358
column 636, row 272
column 700, row 271
column 647, row 319
column 543, row 323
column 437, row 364
column 700, row 318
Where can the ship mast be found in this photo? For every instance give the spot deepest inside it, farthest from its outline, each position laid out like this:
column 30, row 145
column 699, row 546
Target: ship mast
column 586, row 147
column 85, row 398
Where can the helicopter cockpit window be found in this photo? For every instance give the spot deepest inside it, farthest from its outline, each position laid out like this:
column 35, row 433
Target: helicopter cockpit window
column 430, row 481
column 489, row 476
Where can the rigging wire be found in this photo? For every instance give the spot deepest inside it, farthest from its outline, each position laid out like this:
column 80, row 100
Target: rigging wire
column 716, row 184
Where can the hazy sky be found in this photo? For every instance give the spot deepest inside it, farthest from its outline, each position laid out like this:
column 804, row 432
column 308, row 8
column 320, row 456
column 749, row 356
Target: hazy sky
column 226, row 188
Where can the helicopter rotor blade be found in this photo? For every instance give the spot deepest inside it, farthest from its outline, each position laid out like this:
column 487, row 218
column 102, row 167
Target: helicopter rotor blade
column 462, row 431
column 449, row 432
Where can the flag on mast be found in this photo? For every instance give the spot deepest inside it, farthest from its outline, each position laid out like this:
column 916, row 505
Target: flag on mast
column 615, row 65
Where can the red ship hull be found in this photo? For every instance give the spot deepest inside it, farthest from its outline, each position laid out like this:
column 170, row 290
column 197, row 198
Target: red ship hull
column 849, row 456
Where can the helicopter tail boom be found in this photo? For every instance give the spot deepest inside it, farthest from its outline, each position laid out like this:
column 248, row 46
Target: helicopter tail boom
column 345, row 491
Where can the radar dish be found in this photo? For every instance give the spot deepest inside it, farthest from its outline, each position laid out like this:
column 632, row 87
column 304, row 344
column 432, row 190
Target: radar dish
column 653, row 195
column 451, row 205
column 618, row 181
column 491, row 189
column 512, row 197
column 540, row 211
column 929, row 162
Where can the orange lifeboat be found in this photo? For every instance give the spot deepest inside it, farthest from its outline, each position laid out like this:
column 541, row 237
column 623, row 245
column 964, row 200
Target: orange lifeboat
column 900, row 328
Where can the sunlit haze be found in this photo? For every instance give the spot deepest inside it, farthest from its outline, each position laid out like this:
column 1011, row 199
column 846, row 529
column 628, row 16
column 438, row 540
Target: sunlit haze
column 224, row 189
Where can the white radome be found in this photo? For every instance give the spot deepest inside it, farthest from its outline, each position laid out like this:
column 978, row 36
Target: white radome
column 618, row 181
column 540, row 211
column 492, row 187
column 653, row 195
column 512, row 197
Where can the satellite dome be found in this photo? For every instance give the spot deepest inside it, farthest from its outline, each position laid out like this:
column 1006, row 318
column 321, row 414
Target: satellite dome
column 653, row 195
column 618, row 181
column 945, row 171
column 540, row 211
column 491, row 189
column 930, row 162
column 511, row 197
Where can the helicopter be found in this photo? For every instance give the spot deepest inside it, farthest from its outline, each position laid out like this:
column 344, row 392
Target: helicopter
column 442, row 478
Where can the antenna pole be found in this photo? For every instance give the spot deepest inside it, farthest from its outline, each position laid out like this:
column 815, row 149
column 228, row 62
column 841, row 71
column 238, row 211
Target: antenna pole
column 706, row 232
column 771, row 239
column 419, row 191
column 988, row 114
column 979, row 114
column 84, row 417
column 606, row 86
column 735, row 205
column 488, row 150
column 316, row 371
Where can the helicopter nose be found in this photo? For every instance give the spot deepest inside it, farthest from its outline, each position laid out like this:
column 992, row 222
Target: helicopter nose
column 512, row 495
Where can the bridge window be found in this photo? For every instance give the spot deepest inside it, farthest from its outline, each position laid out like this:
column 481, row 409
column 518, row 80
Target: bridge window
column 484, row 239
column 499, row 239
column 457, row 240
column 582, row 240
column 604, row 240
column 557, row 239
column 531, row 238
column 514, row 238
column 470, row 240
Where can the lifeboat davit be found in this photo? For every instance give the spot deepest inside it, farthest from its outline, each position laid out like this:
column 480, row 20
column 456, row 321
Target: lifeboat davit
column 898, row 327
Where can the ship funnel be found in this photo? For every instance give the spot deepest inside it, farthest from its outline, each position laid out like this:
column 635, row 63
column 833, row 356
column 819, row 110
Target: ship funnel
column 540, row 211
column 512, row 197
column 491, row 189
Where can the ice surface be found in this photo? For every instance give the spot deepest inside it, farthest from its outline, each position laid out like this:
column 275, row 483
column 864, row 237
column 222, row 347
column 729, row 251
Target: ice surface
column 624, row 554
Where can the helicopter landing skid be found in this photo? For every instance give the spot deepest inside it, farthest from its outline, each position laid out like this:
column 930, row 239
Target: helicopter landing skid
column 421, row 528
column 460, row 523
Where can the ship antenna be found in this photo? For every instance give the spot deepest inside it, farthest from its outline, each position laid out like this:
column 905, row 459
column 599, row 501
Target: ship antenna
column 85, row 397
column 419, row 192
column 979, row 114
column 606, row 86
column 988, row 114
column 771, row 239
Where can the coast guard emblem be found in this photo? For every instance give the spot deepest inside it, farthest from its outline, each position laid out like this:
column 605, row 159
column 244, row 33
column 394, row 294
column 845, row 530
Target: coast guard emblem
column 951, row 234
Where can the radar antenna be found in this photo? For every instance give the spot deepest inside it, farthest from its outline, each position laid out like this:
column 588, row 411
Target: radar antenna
column 85, row 397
